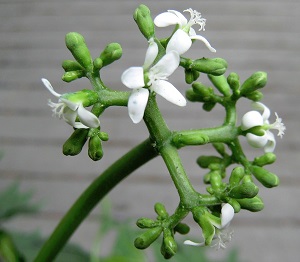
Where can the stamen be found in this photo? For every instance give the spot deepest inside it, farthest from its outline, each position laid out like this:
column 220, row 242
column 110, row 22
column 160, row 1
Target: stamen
column 196, row 18
column 278, row 125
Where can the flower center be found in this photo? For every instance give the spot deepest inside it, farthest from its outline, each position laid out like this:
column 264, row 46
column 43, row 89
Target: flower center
column 196, row 18
column 57, row 109
column 277, row 125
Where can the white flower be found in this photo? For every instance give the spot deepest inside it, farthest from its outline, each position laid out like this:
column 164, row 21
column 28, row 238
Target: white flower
column 255, row 119
column 181, row 40
column 69, row 110
column 156, row 75
column 222, row 233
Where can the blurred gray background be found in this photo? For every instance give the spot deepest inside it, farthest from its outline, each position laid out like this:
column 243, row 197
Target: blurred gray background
column 257, row 35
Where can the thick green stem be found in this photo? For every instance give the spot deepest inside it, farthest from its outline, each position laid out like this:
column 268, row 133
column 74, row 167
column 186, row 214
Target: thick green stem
column 92, row 195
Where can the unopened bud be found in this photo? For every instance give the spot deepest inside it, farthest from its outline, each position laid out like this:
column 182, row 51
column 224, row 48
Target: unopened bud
column 111, row 53
column 266, row 159
column 214, row 66
column 254, row 204
column 147, row 238
column 255, row 96
column 234, row 82
column 265, row 177
column 205, row 161
column 146, row 223
column 205, row 93
column 72, row 75
column 142, row 17
column 220, row 82
column 161, row 210
column 208, row 106
column 254, row 82
column 236, row 176
column 169, row 247
column 215, row 180
column 182, row 228
column 95, row 150
column 75, row 142
column 245, row 190
column 71, row 65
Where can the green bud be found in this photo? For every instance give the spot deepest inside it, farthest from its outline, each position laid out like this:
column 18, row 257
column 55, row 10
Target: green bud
column 266, row 159
column 98, row 64
column 205, row 161
column 208, row 106
column 203, row 91
column 72, row 75
column 235, row 204
column 209, row 66
column 192, row 96
column 234, row 82
column 257, row 130
column 95, row 150
column 189, row 76
column 147, row 238
column 103, row 136
column 182, row 228
column 71, row 65
column 255, row 96
column 169, row 247
column 75, row 142
column 142, row 17
column 220, row 82
column 245, row 190
column 146, row 223
column 254, row 204
column 215, row 180
column 86, row 97
column 236, row 176
column 220, row 147
column 161, row 210
column 77, row 46
column 254, row 82
column 111, row 53
column 265, row 177
column 196, row 74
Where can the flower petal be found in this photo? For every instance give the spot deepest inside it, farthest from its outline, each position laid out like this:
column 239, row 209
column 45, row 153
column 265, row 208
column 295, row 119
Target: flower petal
column 180, row 42
column 73, row 106
column 48, row 85
column 191, row 243
column 204, row 40
column 182, row 19
column 70, row 117
column 257, row 141
column 166, row 65
column 137, row 103
column 133, row 77
column 169, row 92
column 151, row 54
column 271, row 144
column 87, row 118
column 251, row 119
column 265, row 110
column 166, row 19
column 227, row 214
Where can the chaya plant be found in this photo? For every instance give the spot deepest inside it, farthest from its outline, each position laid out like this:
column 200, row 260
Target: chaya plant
column 212, row 210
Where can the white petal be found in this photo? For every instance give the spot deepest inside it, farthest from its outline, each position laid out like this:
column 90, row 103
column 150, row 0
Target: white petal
column 180, row 42
column 169, row 92
column 227, row 214
column 49, row 87
column 191, row 243
column 257, row 141
column 166, row 65
column 266, row 111
column 271, row 144
column 251, row 119
column 73, row 106
column 87, row 118
column 203, row 39
column 192, row 32
column 182, row 19
column 166, row 19
column 133, row 77
column 151, row 54
column 137, row 103
column 70, row 116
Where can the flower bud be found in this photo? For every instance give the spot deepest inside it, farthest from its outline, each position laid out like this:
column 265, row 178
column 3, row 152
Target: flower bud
column 98, row 64
column 208, row 106
column 255, row 96
column 182, row 228
column 215, row 180
column 103, row 136
column 161, row 210
column 209, row 66
column 220, row 148
column 254, row 204
column 220, row 82
column 75, row 142
column 205, row 93
column 234, row 82
column 95, row 150
column 205, row 161
column 235, row 204
column 77, row 46
column 86, row 97
column 189, row 76
column 111, row 53
column 254, row 82
column 236, row 176
column 146, row 223
column 169, row 247
column 265, row 177
column 142, row 17
column 266, row 159
column 147, row 238
column 70, row 65
column 72, row 75
column 245, row 190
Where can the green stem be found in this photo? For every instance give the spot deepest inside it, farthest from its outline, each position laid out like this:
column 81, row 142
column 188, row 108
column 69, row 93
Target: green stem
column 92, row 195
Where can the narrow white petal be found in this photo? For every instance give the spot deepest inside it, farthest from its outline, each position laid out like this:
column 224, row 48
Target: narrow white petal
column 133, row 77
column 180, row 42
column 227, row 214
column 251, row 119
column 257, row 141
column 151, row 54
column 70, row 116
column 169, row 92
column 137, row 103
column 265, row 110
column 191, row 243
column 166, row 65
column 87, row 118
column 166, row 19
column 271, row 144
column 73, row 106
column 48, row 85
column 204, row 40
column 181, row 17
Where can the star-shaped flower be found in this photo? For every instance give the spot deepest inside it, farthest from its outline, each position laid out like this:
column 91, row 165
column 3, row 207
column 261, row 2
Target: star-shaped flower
column 255, row 119
column 151, row 78
column 181, row 40
column 69, row 110
column 222, row 233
